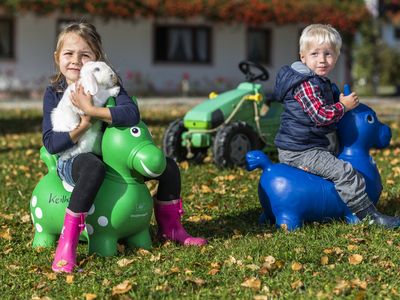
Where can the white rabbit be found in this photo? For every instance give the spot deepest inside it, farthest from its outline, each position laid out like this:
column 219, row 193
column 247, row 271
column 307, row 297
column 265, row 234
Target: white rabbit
column 98, row 80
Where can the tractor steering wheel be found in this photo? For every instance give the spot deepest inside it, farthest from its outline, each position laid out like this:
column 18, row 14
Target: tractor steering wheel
column 246, row 67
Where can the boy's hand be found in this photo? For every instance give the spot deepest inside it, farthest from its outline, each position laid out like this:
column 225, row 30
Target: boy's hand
column 82, row 100
column 350, row 101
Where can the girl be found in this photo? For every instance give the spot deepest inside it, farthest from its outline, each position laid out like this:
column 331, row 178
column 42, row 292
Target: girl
column 77, row 44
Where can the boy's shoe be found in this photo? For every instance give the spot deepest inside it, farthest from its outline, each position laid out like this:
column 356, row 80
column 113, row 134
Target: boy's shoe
column 378, row 218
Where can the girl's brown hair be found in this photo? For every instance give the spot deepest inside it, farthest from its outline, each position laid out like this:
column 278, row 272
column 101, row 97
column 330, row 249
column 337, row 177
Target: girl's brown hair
column 87, row 32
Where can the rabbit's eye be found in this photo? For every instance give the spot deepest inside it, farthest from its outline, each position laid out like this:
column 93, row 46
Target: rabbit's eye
column 370, row 119
column 135, row 131
column 96, row 69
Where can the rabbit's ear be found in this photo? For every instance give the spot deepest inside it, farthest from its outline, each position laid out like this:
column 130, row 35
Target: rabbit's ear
column 89, row 84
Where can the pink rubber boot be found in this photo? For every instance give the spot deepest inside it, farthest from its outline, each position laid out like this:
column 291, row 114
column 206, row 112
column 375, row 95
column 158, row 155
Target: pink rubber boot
column 168, row 215
column 65, row 257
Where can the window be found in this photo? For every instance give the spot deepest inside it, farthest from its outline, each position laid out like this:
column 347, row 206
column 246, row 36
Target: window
column 6, row 38
column 397, row 33
column 182, row 44
column 259, row 45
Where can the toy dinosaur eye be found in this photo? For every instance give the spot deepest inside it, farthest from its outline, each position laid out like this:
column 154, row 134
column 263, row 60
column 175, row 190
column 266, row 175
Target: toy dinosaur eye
column 370, row 119
column 135, row 131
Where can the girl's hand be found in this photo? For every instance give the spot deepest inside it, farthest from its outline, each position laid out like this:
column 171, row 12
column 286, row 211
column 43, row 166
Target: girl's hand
column 82, row 100
column 350, row 101
column 85, row 121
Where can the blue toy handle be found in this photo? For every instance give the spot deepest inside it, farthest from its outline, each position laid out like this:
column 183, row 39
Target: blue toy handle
column 347, row 90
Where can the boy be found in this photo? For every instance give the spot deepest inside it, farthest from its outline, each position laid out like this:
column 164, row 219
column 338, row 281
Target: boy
column 307, row 134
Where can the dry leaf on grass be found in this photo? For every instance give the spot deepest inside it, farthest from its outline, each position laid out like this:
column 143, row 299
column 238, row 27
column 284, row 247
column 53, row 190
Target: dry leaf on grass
column 352, row 247
column 296, row 266
column 6, row 216
column 355, row 259
column 143, row 252
column 342, row 287
column 206, row 189
column 324, row 260
column 51, row 276
column 125, row 262
column 5, row 234
column 122, row 288
column 90, row 296
column 298, row 284
column 252, row 283
column 69, row 279
column 196, row 281
column 213, row 271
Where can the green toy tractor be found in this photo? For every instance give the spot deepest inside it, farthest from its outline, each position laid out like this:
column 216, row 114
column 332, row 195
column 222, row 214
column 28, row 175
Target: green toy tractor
column 232, row 123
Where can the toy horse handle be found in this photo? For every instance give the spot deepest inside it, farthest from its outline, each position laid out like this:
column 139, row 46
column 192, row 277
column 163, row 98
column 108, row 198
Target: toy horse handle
column 347, row 90
column 49, row 159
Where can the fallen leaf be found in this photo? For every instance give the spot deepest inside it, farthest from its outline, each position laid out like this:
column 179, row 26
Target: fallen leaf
column 324, row 260
column 205, row 189
column 196, row 281
column 298, row 284
column 125, row 262
column 359, row 283
column 69, row 279
column 122, row 288
column 174, row 270
column 296, row 266
column 90, row 296
column 51, row 276
column 253, row 283
column 355, row 259
column 342, row 287
column 352, row 247
column 106, row 282
column 269, row 262
column 143, row 252
column 213, row 271
column 155, row 257
column 26, row 218
column 6, row 217
column 252, row 267
column 5, row 234
column 184, row 165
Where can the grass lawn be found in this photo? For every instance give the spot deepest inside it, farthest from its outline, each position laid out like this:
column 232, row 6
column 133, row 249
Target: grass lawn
column 243, row 259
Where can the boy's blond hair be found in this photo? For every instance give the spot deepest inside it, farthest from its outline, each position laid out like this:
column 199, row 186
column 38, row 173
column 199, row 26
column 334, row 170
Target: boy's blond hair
column 320, row 34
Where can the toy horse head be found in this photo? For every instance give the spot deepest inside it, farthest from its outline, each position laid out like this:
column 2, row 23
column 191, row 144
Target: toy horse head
column 132, row 149
column 360, row 128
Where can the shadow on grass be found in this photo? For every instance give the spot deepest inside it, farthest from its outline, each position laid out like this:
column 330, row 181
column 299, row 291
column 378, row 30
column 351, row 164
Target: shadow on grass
column 18, row 125
column 226, row 226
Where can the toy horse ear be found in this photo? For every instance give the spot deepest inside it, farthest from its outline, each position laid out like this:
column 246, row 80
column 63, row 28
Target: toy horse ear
column 89, row 84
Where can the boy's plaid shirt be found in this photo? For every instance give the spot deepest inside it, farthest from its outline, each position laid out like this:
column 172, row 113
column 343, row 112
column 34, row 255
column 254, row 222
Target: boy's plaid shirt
column 312, row 102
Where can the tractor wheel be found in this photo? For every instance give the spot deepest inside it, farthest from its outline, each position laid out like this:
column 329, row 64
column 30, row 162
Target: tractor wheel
column 231, row 144
column 172, row 144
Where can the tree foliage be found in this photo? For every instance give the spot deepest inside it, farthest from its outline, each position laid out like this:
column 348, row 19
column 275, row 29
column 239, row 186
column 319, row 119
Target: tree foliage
column 346, row 15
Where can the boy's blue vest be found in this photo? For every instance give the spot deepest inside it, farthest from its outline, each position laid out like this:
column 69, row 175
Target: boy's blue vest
column 297, row 131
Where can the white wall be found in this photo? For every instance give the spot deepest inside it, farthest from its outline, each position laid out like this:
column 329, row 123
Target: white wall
column 129, row 44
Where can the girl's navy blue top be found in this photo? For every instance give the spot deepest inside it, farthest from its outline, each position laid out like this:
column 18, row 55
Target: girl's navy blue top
column 125, row 113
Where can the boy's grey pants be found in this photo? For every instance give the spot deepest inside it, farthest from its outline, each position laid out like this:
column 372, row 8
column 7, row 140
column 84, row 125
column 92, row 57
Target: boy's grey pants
column 349, row 184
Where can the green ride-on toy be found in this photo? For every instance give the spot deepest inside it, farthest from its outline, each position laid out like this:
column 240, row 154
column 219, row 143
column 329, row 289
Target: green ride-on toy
column 232, row 123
